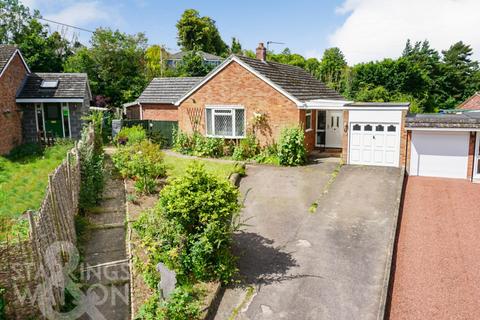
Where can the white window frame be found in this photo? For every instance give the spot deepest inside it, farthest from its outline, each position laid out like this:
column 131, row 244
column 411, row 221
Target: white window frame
column 225, row 107
column 308, row 113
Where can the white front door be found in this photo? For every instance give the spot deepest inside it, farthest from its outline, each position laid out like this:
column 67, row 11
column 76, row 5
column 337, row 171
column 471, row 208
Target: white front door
column 374, row 144
column 333, row 133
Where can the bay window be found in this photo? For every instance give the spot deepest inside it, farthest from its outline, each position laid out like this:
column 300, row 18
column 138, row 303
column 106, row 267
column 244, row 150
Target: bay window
column 225, row 121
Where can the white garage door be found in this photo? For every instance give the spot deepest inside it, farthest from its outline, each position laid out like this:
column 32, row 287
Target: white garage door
column 439, row 154
column 375, row 144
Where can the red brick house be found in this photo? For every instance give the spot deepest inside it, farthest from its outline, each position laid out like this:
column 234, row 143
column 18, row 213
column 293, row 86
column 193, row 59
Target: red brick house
column 38, row 105
column 471, row 104
column 157, row 101
column 244, row 94
column 13, row 71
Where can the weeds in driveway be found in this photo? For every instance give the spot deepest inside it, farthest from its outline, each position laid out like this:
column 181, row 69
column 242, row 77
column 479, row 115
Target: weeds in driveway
column 333, row 176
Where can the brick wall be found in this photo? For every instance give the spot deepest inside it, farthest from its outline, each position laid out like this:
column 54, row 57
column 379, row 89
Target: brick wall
column 167, row 112
column 471, row 155
column 10, row 118
column 408, row 146
column 345, row 136
column 234, row 85
column 403, row 141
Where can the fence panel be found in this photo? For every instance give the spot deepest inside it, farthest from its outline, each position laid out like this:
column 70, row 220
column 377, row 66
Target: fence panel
column 162, row 130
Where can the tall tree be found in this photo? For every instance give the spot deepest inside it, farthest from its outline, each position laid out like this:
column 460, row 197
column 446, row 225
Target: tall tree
column 192, row 65
column 199, row 33
column 236, row 47
column 332, row 67
column 459, row 72
column 155, row 57
column 14, row 17
column 114, row 63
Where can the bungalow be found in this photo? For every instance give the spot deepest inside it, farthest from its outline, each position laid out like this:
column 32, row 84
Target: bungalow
column 38, row 105
column 472, row 103
column 255, row 95
column 157, row 101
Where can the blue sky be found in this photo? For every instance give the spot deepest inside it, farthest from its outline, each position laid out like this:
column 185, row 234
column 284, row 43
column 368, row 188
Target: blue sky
column 363, row 29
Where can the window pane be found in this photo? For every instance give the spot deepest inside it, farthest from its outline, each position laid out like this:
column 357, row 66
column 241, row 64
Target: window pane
column 308, row 120
column 391, row 128
column 209, row 121
column 321, row 119
column 356, row 127
column 239, row 122
column 223, row 125
column 321, row 138
column 379, row 128
column 368, row 128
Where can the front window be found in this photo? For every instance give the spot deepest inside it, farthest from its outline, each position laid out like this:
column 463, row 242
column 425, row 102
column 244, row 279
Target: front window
column 225, row 121
column 308, row 119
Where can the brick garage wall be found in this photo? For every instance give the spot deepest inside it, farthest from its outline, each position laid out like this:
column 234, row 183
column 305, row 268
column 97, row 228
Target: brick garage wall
column 408, row 152
column 345, row 136
column 166, row 112
column 234, row 85
column 403, row 141
column 10, row 119
column 133, row 113
column 471, row 155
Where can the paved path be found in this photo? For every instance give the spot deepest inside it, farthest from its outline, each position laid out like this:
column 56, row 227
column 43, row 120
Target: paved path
column 105, row 250
column 438, row 257
column 330, row 264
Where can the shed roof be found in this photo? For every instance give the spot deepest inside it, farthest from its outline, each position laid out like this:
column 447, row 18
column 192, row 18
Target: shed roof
column 465, row 120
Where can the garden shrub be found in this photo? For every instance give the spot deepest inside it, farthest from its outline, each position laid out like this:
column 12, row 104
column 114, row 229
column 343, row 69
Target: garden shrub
column 198, row 145
column 26, row 150
column 291, row 147
column 191, row 228
column 268, row 155
column 2, row 304
column 91, row 173
column 143, row 162
column 131, row 135
column 182, row 142
column 248, row 148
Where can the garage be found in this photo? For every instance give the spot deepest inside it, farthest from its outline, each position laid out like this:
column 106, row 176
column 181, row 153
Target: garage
column 374, row 133
column 439, row 154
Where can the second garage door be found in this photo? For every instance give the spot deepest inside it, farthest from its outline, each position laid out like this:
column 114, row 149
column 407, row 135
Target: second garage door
column 439, row 154
column 374, row 144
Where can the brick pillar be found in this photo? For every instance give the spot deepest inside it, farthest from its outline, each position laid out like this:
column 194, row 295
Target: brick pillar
column 345, row 137
column 404, row 148
column 471, row 155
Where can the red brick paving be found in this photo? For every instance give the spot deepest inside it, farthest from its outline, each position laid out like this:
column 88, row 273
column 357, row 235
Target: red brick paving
column 437, row 270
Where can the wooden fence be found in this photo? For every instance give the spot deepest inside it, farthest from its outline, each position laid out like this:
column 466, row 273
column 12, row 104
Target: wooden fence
column 24, row 263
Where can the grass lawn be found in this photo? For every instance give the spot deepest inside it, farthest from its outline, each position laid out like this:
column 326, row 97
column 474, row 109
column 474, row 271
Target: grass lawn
column 23, row 183
column 176, row 166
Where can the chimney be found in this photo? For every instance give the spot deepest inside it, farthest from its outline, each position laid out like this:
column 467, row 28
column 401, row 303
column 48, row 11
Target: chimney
column 261, row 52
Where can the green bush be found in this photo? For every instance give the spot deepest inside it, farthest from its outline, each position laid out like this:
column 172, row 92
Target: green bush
column 291, row 147
column 25, row 150
column 248, row 148
column 2, row 304
column 191, row 228
column 198, row 145
column 131, row 135
column 143, row 162
column 268, row 155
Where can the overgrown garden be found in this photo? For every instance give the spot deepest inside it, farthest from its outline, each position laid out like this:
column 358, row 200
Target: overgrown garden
column 189, row 229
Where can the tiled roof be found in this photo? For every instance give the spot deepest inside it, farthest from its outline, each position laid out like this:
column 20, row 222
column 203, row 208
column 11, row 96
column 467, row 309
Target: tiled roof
column 466, row 120
column 6, row 52
column 472, row 103
column 379, row 104
column 204, row 55
column 167, row 90
column 70, row 85
column 294, row 80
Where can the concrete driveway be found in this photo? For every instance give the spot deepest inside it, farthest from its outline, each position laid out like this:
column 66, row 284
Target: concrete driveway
column 329, row 264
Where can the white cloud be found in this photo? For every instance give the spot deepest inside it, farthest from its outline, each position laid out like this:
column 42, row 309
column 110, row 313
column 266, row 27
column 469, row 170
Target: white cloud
column 81, row 13
column 375, row 29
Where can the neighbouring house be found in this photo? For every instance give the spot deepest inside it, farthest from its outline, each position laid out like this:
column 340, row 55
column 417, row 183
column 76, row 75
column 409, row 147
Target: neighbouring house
column 472, row 103
column 255, row 95
column 209, row 59
column 157, row 101
column 444, row 145
column 13, row 70
column 53, row 105
column 38, row 105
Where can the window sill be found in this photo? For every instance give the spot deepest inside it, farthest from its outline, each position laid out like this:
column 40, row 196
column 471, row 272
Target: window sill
column 225, row 137
column 308, row 130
